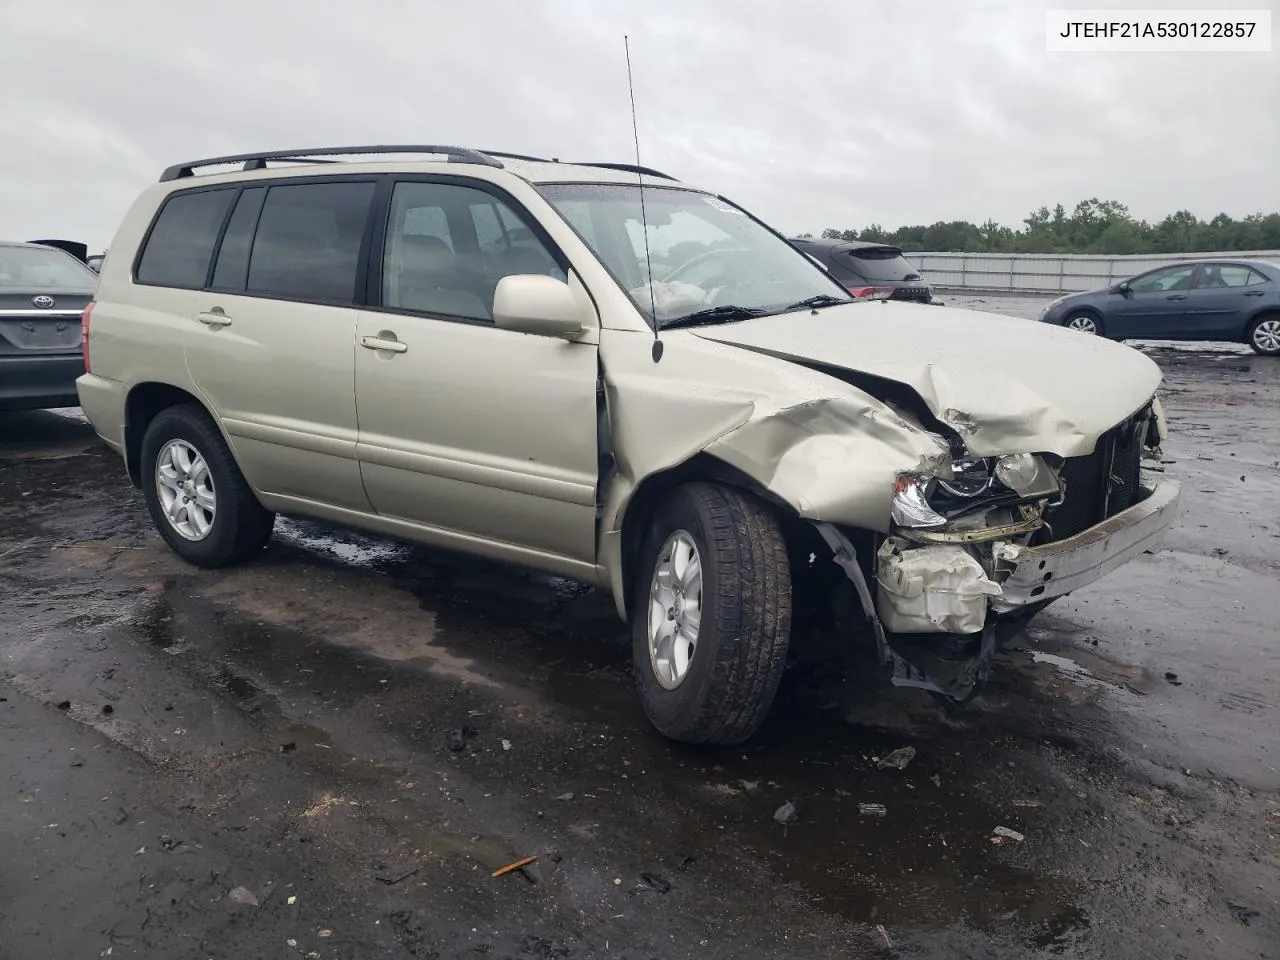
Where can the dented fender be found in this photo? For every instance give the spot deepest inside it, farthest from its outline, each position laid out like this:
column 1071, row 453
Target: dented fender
column 827, row 449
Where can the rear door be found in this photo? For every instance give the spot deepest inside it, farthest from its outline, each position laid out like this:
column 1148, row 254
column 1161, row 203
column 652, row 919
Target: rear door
column 479, row 434
column 272, row 348
column 1220, row 301
column 1153, row 306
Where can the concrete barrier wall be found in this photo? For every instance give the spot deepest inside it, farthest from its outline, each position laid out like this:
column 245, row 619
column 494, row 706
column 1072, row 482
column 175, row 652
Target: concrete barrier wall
column 1049, row 273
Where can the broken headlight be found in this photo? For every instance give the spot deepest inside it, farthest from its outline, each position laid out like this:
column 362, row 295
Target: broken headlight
column 925, row 502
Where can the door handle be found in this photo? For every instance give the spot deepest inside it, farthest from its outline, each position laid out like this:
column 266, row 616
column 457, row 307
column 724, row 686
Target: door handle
column 377, row 343
column 1253, row 293
column 1176, row 296
column 214, row 318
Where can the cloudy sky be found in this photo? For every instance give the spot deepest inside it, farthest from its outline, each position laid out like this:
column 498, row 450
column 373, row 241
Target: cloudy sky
column 812, row 114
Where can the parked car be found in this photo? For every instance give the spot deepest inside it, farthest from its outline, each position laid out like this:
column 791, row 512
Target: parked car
column 43, row 292
column 1228, row 300
column 95, row 262
column 875, row 270
column 472, row 353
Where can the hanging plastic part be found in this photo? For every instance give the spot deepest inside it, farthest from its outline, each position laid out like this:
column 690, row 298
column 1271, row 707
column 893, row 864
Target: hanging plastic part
column 902, row 673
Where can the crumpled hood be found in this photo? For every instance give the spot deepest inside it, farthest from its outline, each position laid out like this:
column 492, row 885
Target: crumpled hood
column 1005, row 385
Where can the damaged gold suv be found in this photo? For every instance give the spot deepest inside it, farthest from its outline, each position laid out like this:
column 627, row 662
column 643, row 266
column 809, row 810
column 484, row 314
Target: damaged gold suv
column 595, row 370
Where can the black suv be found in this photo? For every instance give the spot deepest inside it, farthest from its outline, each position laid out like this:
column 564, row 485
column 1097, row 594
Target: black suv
column 869, row 269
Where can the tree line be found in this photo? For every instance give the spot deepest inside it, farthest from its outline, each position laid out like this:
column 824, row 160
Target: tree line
column 1095, row 226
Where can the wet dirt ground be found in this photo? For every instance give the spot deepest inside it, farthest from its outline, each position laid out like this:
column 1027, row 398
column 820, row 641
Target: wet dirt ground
column 261, row 762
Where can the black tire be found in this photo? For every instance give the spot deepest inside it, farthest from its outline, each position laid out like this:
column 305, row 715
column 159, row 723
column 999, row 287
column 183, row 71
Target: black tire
column 745, row 626
column 240, row 527
column 1096, row 320
column 1253, row 328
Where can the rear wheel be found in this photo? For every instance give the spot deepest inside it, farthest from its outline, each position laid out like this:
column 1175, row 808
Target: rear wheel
column 712, row 615
column 1084, row 321
column 195, row 492
column 1264, row 335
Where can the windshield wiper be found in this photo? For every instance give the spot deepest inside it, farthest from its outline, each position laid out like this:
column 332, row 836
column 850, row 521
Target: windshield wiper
column 722, row 314
column 821, row 300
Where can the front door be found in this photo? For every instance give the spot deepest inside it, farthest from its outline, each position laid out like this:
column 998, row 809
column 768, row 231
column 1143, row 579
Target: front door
column 1153, row 305
column 273, row 339
column 480, row 435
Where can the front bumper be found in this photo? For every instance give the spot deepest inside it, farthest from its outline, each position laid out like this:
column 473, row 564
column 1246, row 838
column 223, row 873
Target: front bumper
column 1037, row 574
column 936, row 588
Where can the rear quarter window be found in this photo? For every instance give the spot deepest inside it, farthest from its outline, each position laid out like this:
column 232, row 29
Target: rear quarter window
column 180, row 244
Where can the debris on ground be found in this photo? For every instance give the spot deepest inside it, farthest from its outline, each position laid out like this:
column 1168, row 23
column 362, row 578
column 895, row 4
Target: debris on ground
column 657, row 881
column 897, row 760
column 506, row 744
column 884, row 933
column 1245, row 915
column 394, row 874
column 108, row 709
column 288, row 747
column 64, row 705
column 565, row 796
column 1172, row 678
column 872, row 809
column 459, row 736
column 786, row 814
column 545, row 949
column 1026, row 803
column 682, row 863
column 243, row 896
column 512, row 867
column 324, row 934
column 1004, row 833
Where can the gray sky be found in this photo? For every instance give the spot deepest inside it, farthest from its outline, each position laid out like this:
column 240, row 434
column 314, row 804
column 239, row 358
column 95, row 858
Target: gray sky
column 810, row 114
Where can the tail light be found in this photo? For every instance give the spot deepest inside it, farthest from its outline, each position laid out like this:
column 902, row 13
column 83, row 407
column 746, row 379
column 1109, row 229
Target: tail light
column 84, row 333
column 872, row 293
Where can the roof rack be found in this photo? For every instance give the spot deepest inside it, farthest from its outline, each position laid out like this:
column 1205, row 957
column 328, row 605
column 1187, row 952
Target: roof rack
column 487, row 158
column 627, row 167
column 258, row 161
column 630, row 168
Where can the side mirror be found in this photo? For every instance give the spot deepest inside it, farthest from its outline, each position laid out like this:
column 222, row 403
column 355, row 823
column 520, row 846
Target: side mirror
column 537, row 304
column 1121, row 287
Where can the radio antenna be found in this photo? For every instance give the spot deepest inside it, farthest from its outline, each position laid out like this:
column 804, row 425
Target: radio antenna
column 644, row 220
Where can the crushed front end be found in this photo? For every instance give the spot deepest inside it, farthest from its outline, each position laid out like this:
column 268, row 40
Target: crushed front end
column 998, row 538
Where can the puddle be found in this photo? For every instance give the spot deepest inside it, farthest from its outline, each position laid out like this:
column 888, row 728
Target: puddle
column 350, row 548
column 1069, row 669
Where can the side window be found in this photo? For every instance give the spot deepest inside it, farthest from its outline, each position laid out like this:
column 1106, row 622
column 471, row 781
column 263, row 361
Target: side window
column 1256, row 277
column 1167, row 278
column 181, row 241
column 307, row 245
column 232, row 268
column 1218, row 277
column 447, row 247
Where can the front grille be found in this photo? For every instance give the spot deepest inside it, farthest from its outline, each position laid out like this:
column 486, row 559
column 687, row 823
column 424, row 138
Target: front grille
column 1102, row 483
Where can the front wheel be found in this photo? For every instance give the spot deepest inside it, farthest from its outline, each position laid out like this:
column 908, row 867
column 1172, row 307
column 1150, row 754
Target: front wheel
column 195, row 492
column 1264, row 335
column 712, row 615
column 1083, row 321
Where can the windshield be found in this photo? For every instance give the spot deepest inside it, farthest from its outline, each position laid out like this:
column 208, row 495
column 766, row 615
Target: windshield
column 44, row 268
column 705, row 253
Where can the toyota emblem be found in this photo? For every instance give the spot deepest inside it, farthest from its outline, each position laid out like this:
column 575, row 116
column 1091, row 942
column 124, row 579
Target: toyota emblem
column 43, row 302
